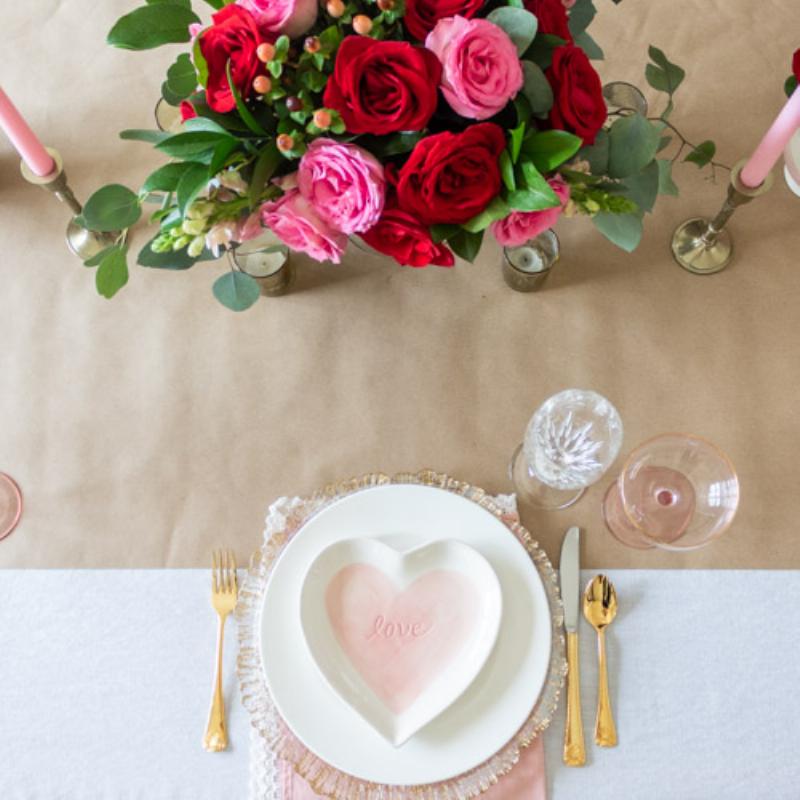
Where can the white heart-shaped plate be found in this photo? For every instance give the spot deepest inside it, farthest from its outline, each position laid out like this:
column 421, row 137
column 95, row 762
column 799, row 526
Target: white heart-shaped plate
column 399, row 636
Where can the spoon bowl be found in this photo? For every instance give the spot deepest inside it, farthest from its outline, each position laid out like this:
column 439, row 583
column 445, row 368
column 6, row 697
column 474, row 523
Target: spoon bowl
column 600, row 602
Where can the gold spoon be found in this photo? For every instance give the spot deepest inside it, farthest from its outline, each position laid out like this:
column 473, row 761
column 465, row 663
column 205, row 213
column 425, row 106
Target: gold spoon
column 600, row 608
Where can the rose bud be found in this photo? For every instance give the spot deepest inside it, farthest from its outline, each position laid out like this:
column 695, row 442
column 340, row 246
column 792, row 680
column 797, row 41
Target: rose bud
column 362, row 24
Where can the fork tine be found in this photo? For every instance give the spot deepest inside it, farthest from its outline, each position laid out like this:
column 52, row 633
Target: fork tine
column 234, row 577
column 214, row 571
column 225, row 573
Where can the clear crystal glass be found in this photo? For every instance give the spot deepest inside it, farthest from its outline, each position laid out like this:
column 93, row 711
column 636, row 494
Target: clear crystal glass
column 675, row 492
column 10, row 505
column 570, row 442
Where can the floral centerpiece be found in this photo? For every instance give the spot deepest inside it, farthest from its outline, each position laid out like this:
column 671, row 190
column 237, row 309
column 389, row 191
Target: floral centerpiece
column 417, row 125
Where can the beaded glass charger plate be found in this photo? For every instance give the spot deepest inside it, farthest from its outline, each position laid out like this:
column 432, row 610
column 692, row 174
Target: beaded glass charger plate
column 476, row 741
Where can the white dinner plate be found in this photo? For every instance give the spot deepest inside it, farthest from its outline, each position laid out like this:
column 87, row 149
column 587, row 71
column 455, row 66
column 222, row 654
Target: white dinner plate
column 486, row 715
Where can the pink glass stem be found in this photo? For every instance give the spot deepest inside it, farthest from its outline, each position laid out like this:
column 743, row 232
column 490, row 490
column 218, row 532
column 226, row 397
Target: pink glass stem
column 773, row 144
column 24, row 139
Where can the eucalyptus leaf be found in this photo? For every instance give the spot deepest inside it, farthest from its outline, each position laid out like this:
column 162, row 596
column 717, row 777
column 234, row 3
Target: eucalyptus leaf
column 184, row 3
column 182, row 77
column 536, row 88
column 152, row 26
column 236, row 290
column 580, row 16
column 550, row 149
column 703, row 154
column 111, row 208
column 665, row 183
column 597, row 154
column 662, row 74
column 466, row 244
column 169, row 96
column 623, row 230
column 642, row 189
column 497, row 209
column 112, row 273
column 98, row 257
column 589, row 46
column 541, row 51
column 194, row 180
column 633, row 143
column 166, row 178
column 518, row 23
column 136, row 135
column 191, row 144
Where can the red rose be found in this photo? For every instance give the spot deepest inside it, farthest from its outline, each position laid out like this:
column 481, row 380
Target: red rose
column 451, row 177
column 796, row 64
column 381, row 87
column 578, row 94
column 187, row 110
column 233, row 37
column 552, row 17
column 403, row 237
column 422, row 15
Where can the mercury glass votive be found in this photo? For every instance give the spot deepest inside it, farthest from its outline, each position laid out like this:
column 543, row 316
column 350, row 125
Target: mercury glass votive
column 267, row 260
column 527, row 266
column 624, row 98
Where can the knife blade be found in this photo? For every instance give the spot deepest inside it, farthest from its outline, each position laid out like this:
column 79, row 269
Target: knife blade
column 574, row 754
column 570, row 572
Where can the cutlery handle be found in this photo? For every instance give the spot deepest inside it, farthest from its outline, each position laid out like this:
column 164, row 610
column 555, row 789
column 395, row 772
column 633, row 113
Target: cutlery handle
column 605, row 732
column 574, row 749
column 216, row 736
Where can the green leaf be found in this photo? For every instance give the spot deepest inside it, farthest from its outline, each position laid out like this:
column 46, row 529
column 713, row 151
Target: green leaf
column 220, row 157
column 200, row 62
column 265, row 166
column 171, row 260
column 536, row 88
column 536, row 193
column 192, row 144
column 790, row 85
column 703, row 154
column 466, row 245
column 516, row 135
column 98, row 257
column 623, row 230
column 550, row 149
column 153, row 137
column 519, row 24
column 441, row 233
column 642, row 189
column 112, row 274
column 237, row 290
column 663, row 75
column 166, row 178
column 597, row 154
column 111, row 208
column 153, row 25
column 184, row 3
column 541, row 51
column 581, row 16
column 244, row 111
column 218, row 4
column 589, row 46
column 170, row 97
column 665, row 183
column 396, row 144
column 182, row 77
column 497, row 209
column 507, row 171
column 633, row 143
column 194, row 180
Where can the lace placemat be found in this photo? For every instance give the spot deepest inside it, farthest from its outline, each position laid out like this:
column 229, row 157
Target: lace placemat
column 270, row 740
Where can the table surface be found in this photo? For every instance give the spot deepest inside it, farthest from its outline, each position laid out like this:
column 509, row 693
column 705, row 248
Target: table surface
column 145, row 429
column 105, row 679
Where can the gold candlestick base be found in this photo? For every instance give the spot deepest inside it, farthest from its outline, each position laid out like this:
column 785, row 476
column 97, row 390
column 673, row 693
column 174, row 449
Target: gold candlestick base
column 704, row 246
column 83, row 243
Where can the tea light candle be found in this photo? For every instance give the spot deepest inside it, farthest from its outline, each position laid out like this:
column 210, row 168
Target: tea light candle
column 24, row 139
column 526, row 259
column 262, row 263
column 773, row 144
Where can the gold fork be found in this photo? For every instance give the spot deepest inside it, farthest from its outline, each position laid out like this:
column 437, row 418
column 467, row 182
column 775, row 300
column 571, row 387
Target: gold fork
column 224, row 588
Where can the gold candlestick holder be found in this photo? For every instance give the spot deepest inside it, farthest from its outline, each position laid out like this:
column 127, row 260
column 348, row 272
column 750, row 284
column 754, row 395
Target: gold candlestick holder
column 705, row 246
column 83, row 243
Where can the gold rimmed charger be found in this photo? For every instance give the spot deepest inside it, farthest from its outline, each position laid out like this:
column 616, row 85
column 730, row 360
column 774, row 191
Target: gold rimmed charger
column 285, row 520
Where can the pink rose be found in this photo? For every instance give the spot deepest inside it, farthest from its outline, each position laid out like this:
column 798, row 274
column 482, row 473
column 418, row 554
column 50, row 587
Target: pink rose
column 249, row 228
column 519, row 226
column 292, row 17
column 295, row 222
column 343, row 183
column 481, row 68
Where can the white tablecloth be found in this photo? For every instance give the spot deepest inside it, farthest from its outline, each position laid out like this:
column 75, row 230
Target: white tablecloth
column 105, row 679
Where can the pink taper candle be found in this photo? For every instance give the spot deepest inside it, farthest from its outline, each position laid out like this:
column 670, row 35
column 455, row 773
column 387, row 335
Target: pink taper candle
column 773, row 144
column 24, row 139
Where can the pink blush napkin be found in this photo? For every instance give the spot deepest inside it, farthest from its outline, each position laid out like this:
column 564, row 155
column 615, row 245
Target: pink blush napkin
column 525, row 782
